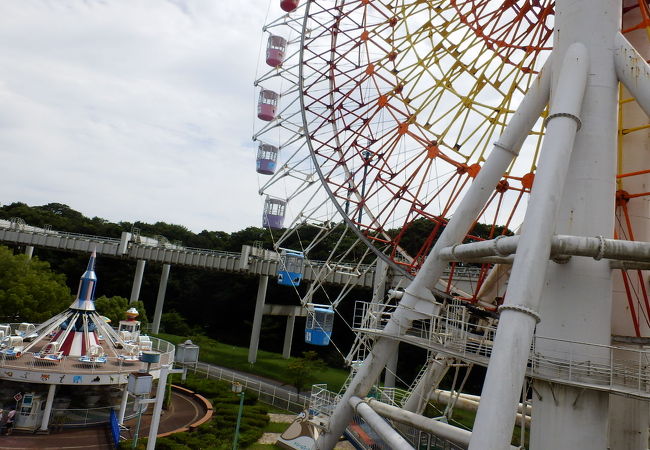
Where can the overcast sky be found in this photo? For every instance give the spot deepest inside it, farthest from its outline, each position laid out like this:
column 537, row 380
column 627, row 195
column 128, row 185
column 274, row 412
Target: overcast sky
column 132, row 109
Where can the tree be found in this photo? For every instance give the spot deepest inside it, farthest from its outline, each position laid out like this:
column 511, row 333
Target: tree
column 29, row 290
column 302, row 371
column 115, row 307
column 174, row 323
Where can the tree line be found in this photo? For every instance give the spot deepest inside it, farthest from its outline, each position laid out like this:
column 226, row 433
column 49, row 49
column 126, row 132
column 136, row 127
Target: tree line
column 215, row 304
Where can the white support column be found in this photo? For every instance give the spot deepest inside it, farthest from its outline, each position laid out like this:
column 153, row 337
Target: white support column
column 29, row 251
column 257, row 318
column 436, row 370
column 378, row 293
column 137, row 281
column 123, row 402
column 48, row 408
column 160, row 300
column 633, row 71
column 391, row 369
column 519, row 315
column 628, row 417
column 418, row 295
column 165, row 370
column 288, row 336
column 576, row 302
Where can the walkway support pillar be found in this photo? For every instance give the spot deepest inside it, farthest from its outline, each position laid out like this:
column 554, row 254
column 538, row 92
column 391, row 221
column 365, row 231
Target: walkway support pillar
column 391, row 369
column 123, row 402
column 288, row 336
column 257, row 319
column 160, row 300
column 137, row 281
column 45, row 423
column 29, row 251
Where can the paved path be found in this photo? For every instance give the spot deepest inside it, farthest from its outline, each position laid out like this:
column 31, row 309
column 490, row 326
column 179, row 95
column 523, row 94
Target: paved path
column 183, row 411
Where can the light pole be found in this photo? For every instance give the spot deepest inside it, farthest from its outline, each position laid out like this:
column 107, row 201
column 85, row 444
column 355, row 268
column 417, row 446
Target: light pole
column 238, row 389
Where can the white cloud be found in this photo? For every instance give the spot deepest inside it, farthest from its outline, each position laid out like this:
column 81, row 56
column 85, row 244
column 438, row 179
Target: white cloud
column 132, row 109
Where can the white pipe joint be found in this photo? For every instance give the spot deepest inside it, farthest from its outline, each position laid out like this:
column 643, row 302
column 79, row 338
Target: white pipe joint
column 568, row 102
column 379, row 425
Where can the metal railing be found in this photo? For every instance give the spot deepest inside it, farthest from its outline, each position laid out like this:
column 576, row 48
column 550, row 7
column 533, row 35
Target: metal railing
column 72, row 364
column 618, row 369
column 268, row 393
column 81, row 417
column 322, row 403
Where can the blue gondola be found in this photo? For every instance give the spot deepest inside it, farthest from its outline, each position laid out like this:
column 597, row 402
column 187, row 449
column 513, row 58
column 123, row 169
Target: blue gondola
column 290, row 268
column 320, row 321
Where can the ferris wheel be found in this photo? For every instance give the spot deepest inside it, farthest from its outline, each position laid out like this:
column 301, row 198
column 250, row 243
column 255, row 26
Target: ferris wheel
column 401, row 104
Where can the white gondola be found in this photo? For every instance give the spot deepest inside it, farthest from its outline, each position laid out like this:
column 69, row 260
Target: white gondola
column 12, row 346
column 319, row 324
column 130, row 354
column 50, row 353
column 95, row 355
column 27, row 331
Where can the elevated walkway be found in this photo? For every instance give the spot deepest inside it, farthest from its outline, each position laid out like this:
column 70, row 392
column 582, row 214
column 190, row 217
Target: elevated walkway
column 250, row 261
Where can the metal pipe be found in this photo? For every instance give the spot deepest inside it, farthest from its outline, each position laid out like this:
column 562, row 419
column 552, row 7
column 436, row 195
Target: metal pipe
column 633, row 71
column 440, row 429
column 468, row 404
column 419, row 291
column 561, row 245
column 378, row 424
column 507, row 367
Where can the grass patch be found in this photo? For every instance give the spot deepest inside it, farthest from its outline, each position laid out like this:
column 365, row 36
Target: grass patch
column 257, row 446
column 269, row 365
column 218, row 433
column 275, row 427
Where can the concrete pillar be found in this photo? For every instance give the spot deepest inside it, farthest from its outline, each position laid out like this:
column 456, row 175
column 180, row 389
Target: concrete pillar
column 123, row 402
column 391, row 369
column 564, row 407
column 29, row 251
column 629, row 417
column 137, row 281
column 288, row 336
column 257, row 318
column 576, row 302
column 48, row 408
column 379, row 283
column 161, row 298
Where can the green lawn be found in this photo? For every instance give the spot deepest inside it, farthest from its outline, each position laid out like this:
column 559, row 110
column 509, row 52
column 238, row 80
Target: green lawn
column 276, row 427
column 270, row 365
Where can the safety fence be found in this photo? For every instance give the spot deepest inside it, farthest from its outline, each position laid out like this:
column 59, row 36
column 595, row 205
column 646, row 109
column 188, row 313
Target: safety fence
column 269, row 393
column 459, row 333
